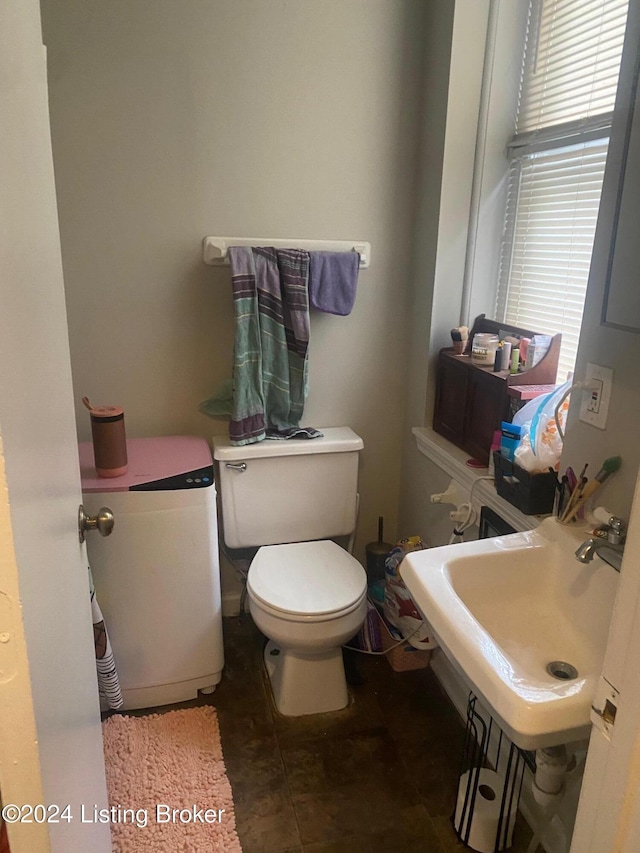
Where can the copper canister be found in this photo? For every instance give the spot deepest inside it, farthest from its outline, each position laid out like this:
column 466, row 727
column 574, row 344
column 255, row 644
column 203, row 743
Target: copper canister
column 109, row 440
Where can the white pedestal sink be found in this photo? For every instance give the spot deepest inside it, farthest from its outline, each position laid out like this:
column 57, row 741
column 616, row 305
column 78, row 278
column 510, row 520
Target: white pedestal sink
column 506, row 609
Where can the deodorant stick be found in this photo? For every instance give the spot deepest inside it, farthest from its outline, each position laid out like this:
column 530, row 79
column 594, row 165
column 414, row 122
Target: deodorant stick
column 109, row 439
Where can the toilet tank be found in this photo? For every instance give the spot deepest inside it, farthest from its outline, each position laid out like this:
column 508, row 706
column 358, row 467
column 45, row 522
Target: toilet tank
column 288, row 491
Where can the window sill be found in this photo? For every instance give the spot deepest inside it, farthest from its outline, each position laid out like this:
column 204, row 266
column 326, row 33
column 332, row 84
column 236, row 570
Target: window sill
column 452, row 460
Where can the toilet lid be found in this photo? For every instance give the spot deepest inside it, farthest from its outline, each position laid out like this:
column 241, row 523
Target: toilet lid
column 306, row 578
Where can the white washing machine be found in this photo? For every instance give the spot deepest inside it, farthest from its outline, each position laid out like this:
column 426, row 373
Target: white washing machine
column 157, row 576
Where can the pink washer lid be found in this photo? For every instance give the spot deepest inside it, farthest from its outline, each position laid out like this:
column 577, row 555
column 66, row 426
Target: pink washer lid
column 149, row 459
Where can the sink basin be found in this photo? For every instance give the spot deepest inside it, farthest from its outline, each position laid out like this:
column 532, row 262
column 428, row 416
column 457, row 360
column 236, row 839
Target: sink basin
column 505, row 609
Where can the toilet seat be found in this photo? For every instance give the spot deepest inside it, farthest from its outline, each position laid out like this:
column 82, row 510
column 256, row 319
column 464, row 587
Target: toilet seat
column 307, row 581
column 288, row 616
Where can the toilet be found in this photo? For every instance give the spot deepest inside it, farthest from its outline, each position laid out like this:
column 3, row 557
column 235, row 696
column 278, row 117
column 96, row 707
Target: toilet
column 306, row 593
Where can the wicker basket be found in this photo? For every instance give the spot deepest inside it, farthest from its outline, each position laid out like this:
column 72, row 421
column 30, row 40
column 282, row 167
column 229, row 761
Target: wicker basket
column 404, row 657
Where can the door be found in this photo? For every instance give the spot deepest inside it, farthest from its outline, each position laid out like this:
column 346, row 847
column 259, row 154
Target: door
column 608, row 819
column 50, row 736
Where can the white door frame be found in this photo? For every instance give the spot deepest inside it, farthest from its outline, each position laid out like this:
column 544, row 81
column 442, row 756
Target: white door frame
column 608, row 816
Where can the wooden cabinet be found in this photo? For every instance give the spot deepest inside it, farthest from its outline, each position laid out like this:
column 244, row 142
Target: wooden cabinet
column 451, row 395
column 487, row 405
column 471, row 401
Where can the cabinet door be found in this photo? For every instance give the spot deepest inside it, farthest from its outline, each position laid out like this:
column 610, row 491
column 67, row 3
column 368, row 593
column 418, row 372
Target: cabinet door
column 451, row 393
column 487, row 405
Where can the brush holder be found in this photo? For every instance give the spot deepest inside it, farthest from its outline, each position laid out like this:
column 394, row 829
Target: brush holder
column 532, row 494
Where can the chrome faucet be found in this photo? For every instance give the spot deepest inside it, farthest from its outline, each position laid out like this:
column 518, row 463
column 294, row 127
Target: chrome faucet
column 610, row 549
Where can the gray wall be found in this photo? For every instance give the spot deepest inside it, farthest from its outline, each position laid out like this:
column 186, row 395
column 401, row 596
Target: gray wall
column 174, row 119
column 447, row 156
column 607, row 346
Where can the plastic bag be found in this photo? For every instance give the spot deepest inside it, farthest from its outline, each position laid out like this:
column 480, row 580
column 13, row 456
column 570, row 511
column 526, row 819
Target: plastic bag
column 541, row 443
column 399, row 609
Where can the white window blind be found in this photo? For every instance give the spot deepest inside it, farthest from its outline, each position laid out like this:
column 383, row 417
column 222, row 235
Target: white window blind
column 572, row 61
column 567, row 93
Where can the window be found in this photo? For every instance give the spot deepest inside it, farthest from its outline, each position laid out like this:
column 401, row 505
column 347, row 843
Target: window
column 558, row 154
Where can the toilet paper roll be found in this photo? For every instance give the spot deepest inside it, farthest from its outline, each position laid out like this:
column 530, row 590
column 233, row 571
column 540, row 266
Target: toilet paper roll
column 482, row 821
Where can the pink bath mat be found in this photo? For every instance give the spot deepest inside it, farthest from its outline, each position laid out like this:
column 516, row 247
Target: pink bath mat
column 167, row 783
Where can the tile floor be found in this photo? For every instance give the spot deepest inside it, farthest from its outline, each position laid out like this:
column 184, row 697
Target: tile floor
column 380, row 775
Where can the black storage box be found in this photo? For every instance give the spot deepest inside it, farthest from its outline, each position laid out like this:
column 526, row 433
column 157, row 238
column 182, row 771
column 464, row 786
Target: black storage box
column 532, row 494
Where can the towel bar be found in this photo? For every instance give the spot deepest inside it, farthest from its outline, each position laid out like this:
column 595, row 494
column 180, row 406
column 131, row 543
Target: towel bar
column 215, row 248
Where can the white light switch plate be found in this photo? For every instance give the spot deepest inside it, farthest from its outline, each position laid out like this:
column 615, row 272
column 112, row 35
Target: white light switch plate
column 594, row 407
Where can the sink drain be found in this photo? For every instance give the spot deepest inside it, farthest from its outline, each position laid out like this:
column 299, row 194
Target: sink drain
column 562, row 670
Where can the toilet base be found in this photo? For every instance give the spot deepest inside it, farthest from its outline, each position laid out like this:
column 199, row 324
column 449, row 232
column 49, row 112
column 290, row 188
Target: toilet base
column 306, row 684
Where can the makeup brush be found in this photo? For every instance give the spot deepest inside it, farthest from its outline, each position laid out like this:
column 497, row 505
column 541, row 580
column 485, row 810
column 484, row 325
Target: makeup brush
column 581, row 482
column 609, row 467
column 459, row 337
column 574, row 497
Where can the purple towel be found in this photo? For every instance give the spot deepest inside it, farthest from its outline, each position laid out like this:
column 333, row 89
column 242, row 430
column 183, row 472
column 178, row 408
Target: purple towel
column 333, row 277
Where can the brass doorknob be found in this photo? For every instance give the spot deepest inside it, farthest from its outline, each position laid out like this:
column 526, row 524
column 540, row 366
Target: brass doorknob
column 103, row 522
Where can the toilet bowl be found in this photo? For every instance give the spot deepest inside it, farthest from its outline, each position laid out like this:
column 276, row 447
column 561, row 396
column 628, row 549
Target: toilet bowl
column 307, row 598
column 307, row 595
